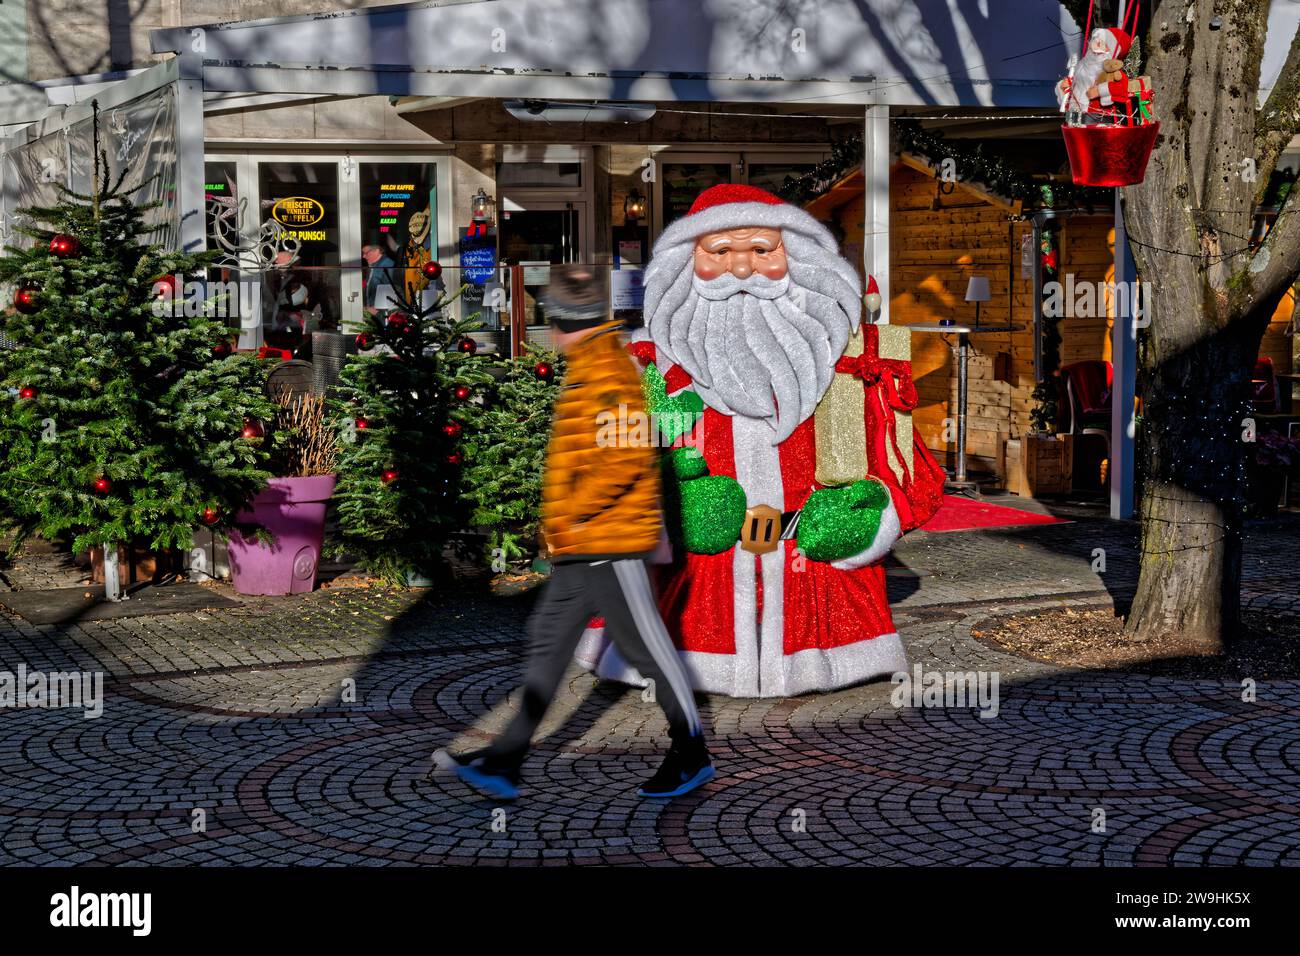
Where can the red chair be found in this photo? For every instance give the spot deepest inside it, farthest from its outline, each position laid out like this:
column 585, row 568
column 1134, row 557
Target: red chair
column 1264, row 394
column 1088, row 387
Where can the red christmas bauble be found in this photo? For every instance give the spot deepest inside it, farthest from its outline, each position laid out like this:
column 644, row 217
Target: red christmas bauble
column 462, row 392
column 389, row 476
column 365, row 341
column 253, row 429
column 432, row 271
column 27, row 393
column 544, row 371
column 64, row 246
column 164, row 287
column 210, row 515
column 222, row 349
column 398, row 321
column 362, row 424
column 467, row 345
column 452, row 429
column 455, row 458
column 103, row 485
column 26, row 300
column 1050, row 260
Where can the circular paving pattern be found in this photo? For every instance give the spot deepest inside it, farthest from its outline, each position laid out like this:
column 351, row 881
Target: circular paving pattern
column 300, row 754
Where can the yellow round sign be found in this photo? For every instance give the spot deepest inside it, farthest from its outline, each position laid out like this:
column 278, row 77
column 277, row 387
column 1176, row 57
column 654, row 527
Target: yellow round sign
column 297, row 211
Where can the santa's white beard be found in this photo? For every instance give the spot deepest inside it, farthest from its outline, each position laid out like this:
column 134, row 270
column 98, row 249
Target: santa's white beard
column 756, row 347
column 1085, row 75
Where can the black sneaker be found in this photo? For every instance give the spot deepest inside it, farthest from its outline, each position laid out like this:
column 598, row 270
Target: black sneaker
column 471, row 769
column 680, row 773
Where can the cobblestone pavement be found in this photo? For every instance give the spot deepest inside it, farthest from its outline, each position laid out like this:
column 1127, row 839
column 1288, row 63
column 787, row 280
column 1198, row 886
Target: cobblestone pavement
column 244, row 714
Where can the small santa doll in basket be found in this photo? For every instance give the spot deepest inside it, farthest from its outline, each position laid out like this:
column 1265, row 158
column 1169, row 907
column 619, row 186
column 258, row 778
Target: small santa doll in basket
column 1098, row 89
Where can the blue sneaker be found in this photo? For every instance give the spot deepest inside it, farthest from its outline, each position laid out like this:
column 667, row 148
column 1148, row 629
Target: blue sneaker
column 493, row 783
column 679, row 774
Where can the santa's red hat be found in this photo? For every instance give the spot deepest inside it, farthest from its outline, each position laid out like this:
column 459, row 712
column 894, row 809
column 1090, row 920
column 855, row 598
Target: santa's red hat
column 733, row 205
column 1122, row 42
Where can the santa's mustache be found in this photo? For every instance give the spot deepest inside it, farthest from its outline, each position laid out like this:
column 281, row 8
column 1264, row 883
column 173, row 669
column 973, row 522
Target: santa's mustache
column 727, row 285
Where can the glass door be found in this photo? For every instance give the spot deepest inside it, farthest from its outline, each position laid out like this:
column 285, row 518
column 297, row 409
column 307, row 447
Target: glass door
column 399, row 226
column 305, row 297
column 535, row 235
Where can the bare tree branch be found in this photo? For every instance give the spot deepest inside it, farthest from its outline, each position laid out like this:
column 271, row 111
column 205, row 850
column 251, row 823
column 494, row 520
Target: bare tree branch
column 1279, row 118
column 1283, row 245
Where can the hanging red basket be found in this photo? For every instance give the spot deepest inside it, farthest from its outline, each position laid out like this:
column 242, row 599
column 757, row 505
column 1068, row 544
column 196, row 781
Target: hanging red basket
column 1109, row 155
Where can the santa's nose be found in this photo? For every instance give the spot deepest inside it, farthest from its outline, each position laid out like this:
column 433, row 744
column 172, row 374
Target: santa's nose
column 742, row 265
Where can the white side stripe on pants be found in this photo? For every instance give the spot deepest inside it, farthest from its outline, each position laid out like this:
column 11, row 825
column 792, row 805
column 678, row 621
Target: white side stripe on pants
column 635, row 584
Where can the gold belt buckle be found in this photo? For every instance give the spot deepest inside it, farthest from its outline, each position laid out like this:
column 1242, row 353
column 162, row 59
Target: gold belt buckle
column 761, row 532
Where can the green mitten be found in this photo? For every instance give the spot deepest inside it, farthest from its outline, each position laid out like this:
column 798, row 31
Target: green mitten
column 712, row 512
column 674, row 416
column 837, row 523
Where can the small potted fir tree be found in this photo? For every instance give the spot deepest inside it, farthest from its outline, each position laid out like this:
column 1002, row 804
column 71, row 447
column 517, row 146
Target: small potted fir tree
column 275, row 545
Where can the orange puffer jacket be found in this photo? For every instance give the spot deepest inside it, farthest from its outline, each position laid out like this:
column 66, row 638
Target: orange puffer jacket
column 600, row 495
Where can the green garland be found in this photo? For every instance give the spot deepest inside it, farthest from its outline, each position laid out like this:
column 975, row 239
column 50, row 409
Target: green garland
column 846, row 154
column 974, row 165
column 994, row 174
column 1047, row 392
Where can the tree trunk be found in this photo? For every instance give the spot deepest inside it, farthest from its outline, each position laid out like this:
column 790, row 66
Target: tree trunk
column 1195, row 405
column 1191, row 221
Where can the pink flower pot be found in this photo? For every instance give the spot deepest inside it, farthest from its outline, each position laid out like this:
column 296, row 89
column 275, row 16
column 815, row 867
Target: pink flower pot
column 293, row 510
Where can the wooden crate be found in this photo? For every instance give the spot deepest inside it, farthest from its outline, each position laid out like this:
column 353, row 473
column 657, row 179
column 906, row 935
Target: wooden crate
column 1039, row 465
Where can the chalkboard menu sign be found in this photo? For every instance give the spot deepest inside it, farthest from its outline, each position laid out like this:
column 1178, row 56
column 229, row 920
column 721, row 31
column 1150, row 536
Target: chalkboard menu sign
column 478, row 263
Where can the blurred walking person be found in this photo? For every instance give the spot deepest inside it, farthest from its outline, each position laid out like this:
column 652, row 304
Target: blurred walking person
column 601, row 518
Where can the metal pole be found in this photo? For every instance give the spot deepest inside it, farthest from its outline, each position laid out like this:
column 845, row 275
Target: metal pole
column 112, row 574
column 962, row 343
column 1124, row 370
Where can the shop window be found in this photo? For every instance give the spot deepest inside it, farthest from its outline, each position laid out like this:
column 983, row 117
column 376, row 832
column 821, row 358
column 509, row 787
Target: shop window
column 303, row 296
column 399, row 215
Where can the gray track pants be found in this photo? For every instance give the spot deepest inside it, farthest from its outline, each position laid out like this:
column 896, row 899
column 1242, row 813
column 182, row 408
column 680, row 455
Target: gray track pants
column 620, row 591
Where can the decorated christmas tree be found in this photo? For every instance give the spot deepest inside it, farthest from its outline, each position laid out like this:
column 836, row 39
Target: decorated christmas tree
column 408, row 405
column 504, row 483
column 122, row 411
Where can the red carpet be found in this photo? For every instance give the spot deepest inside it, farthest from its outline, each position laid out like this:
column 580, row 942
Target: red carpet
column 965, row 514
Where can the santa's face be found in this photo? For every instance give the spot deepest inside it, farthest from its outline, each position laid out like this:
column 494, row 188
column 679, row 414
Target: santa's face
column 742, row 253
column 1102, row 42
column 757, row 326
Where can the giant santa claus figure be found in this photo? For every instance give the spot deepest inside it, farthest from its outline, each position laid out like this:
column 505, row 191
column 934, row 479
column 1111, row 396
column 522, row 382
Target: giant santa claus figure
column 786, row 482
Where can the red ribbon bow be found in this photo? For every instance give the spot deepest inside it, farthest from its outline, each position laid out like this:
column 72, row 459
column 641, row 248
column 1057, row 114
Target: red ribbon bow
column 895, row 375
column 887, row 387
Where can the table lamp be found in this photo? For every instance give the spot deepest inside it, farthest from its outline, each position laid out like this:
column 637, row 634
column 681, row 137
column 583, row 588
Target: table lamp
column 977, row 291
